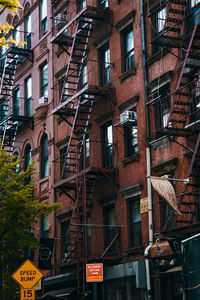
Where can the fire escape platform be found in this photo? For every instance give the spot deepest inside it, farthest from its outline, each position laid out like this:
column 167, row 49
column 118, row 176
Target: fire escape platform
column 20, row 119
column 89, row 12
column 92, row 173
column 17, row 51
column 94, row 93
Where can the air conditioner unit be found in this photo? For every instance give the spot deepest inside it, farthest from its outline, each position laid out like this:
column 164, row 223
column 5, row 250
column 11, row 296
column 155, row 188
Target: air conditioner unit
column 128, row 117
column 60, row 19
column 43, row 100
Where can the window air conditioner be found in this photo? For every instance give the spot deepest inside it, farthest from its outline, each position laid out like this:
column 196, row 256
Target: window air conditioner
column 43, row 100
column 128, row 117
column 60, row 19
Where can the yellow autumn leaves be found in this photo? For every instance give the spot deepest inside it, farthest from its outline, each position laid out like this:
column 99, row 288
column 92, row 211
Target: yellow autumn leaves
column 13, row 6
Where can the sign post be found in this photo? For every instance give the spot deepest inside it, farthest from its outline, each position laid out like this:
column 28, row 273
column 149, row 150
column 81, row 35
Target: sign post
column 94, row 273
column 27, row 275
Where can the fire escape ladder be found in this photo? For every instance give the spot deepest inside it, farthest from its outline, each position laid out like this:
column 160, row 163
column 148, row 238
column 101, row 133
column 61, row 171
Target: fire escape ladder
column 8, row 128
column 188, row 205
column 76, row 59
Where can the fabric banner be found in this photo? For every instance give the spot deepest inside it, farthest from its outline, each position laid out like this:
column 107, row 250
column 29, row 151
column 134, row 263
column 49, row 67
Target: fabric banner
column 165, row 189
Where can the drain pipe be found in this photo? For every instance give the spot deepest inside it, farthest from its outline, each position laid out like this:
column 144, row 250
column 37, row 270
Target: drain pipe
column 148, row 160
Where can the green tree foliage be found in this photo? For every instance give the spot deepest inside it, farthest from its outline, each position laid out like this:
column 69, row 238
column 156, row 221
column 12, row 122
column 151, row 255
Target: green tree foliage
column 19, row 212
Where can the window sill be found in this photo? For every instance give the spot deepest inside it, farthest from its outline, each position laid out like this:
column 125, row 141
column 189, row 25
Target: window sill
column 130, row 159
column 138, row 249
column 156, row 56
column 160, row 142
column 127, row 74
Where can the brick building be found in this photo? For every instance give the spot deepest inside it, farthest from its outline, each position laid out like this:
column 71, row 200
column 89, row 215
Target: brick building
column 102, row 95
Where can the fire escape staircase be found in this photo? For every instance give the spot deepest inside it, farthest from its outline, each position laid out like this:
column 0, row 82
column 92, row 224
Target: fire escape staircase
column 9, row 122
column 76, row 103
column 178, row 123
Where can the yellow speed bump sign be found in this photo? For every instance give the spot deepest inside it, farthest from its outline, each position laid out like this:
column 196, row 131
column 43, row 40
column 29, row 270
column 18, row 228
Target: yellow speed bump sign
column 27, row 275
column 27, row 294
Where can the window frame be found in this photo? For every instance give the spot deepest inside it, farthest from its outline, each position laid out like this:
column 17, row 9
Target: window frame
column 44, row 159
column 44, row 221
column 16, row 101
column 107, row 147
column 110, row 232
column 28, row 28
column 43, row 19
column 43, row 84
column 129, row 137
column 126, row 54
column 161, row 107
column 104, row 70
column 28, row 98
column 133, row 235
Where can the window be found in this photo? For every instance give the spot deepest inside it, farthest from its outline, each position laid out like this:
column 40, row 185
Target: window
column 27, row 159
column 104, row 54
column 44, row 157
column 83, row 80
column 158, row 21
column 128, row 49
column 44, row 80
column 161, row 108
column 65, row 242
column 63, row 84
column 16, row 34
column 64, row 163
column 87, row 154
column 43, row 17
column 131, row 136
column 45, row 226
column 28, row 96
column 81, row 4
column 196, row 10
column 103, row 3
column 89, row 236
column 28, row 31
column 16, row 101
column 135, row 222
column 195, row 103
column 110, row 229
column 107, row 132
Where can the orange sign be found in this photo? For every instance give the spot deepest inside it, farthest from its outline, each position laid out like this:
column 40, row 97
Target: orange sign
column 94, row 272
column 27, row 294
column 27, row 275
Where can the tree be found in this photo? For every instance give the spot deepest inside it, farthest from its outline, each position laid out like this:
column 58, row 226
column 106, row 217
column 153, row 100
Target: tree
column 19, row 212
column 13, row 6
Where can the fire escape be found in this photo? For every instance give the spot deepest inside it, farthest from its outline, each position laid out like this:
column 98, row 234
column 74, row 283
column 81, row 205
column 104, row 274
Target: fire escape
column 10, row 121
column 180, row 35
column 75, row 108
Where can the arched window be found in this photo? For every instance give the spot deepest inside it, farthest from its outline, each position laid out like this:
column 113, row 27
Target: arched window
column 27, row 156
column 44, row 156
column 17, row 165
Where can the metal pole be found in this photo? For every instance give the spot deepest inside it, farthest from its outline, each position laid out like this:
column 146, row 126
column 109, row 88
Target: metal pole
column 95, row 291
column 1, row 276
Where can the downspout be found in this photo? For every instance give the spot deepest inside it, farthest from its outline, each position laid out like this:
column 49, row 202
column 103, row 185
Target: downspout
column 148, row 160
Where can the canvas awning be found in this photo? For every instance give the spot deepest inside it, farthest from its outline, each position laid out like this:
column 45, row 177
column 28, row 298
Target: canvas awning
column 60, row 294
column 165, row 189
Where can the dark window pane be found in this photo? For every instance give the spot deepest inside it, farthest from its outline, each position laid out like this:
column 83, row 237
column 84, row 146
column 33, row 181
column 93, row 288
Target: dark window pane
column 44, row 80
column 107, row 146
column 128, row 54
column 28, row 96
column 44, row 157
column 110, row 231
column 16, row 102
column 135, row 223
column 105, row 65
